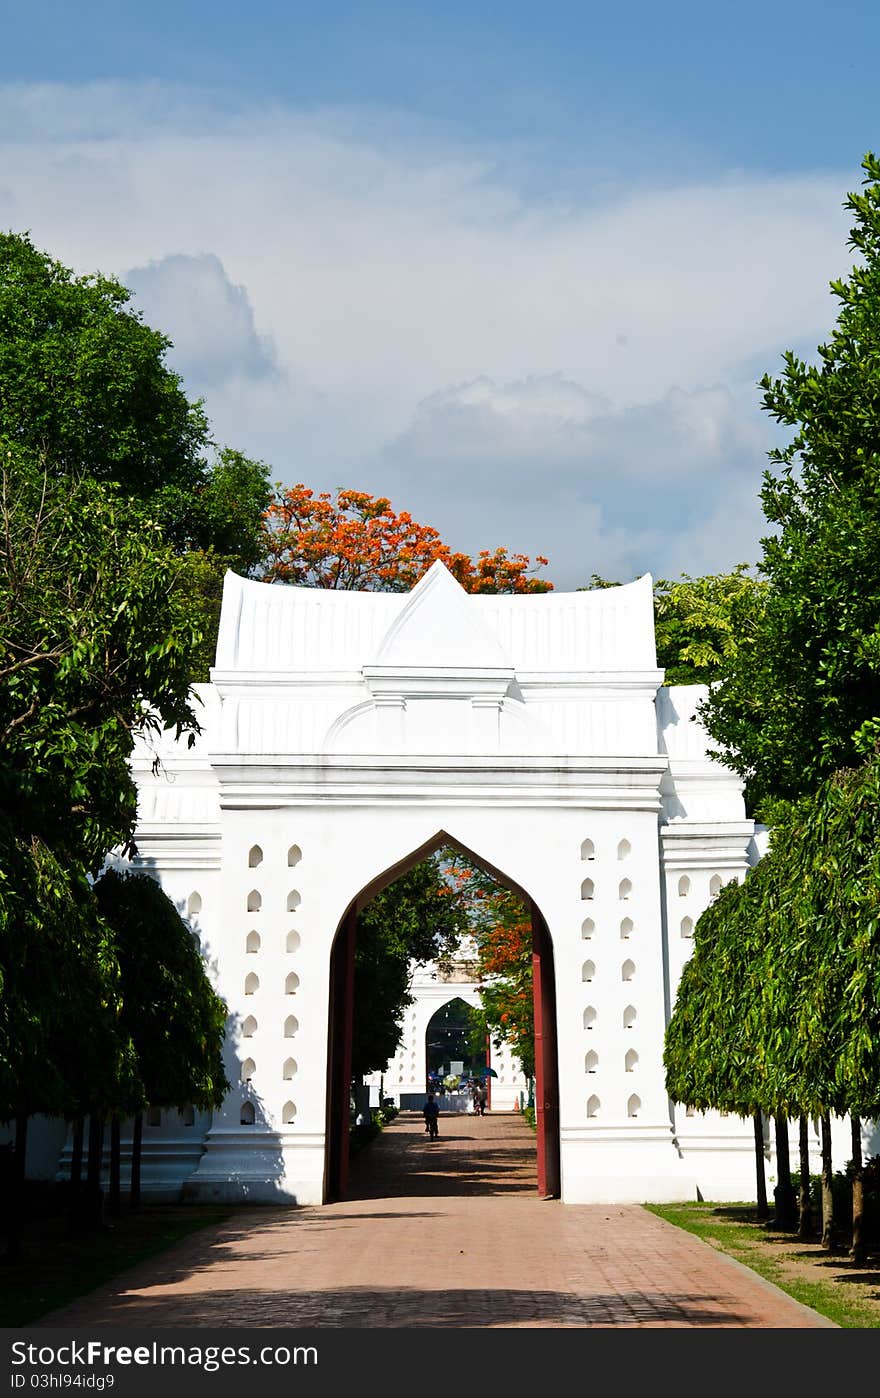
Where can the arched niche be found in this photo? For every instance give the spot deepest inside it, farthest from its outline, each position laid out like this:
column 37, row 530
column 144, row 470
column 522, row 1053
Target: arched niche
column 624, row 849
column 251, row 983
column 684, row 886
column 154, row 1116
column 187, row 1116
column 591, row 1061
column 254, row 901
column 289, row 1069
column 630, row 1060
column 588, row 927
column 193, row 905
column 252, row 942
column 249, row 1028
column 294, row 855
column 247, row 1116
column 628, row 970
column 588, row 850
column 714, row 885
column 589, row 1017
column 293, row 901
column 593, row 1105
column 629, row 1017
column 291, row 1026
column 626, row 929
column 687, row 927
column 634, row 1105
column 255, row 856
column 291, row 983
column 288, row 1114
column 587, row 888
column 248, row 1070
column 588, row 971
column 293, row 940
column 624, row 889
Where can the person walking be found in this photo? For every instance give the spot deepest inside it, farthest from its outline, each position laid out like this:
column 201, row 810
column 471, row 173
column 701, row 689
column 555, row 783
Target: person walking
column 431, row 1112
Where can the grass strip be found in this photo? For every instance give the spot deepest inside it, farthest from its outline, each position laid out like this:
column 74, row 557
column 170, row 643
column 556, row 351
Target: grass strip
column 57, row 1266
column 801, row 1269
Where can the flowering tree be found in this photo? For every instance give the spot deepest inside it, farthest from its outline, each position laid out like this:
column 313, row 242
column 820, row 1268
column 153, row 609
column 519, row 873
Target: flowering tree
column 358, row 541
column 501, row 928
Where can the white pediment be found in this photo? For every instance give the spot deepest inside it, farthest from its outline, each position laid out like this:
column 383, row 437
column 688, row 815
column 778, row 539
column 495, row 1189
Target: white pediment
column 439, row 629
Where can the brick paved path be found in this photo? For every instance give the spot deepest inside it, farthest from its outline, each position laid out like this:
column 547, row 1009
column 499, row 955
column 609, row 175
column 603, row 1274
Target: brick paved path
column 442, row 1234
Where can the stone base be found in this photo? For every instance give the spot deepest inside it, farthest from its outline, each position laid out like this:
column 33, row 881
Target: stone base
column 240, row 1166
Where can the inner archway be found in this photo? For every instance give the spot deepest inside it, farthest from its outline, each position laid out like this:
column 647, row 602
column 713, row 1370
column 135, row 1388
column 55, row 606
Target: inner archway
column 341, row 1021
column 449, row 1048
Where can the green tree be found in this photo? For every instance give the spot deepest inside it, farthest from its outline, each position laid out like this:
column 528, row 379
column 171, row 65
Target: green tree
column 83, row 382
column 95, row 646
column 58, row 972
column 711, row 1051
column 416, row 919
column 501, row 927
column 170, row 1012
column 85, row 389
column 699, row 623
column 800, row 697
column 779, row 1006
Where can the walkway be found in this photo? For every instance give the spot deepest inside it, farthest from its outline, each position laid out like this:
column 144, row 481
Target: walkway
column 442, row 1234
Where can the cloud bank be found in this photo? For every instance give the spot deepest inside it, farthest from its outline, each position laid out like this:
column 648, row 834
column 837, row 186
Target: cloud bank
column 368, row 304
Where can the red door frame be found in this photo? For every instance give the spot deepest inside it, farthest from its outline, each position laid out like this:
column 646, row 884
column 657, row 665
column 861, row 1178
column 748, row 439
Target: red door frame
column 546, row 1059
column 340, row 1048
column 339, row 1057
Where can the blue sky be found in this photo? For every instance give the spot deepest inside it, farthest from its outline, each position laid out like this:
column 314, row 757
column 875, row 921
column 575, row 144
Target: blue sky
column 517, row 266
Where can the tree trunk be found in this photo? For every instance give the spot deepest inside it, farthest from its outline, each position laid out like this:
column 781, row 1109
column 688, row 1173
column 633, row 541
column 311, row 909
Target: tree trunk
column 94, row 1201
column 828, row 1229
column 858, row 1250
column 76, row 1161
column 134, row 1197
column 805, row 1207
column 113, row 1193
column 784, row 1195
column 760, row 1173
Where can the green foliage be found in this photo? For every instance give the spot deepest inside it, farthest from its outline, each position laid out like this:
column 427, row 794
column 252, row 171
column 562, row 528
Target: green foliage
column 779, row 1005
column 415, row 919
column 83, row 382
column 95, row 645
column 501, row 927
column 700, row 622
column 58, row 972
column 800, row 697
column 170, row 1011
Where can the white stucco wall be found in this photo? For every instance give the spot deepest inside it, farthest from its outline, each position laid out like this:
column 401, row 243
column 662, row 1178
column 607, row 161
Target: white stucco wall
column 345, row 733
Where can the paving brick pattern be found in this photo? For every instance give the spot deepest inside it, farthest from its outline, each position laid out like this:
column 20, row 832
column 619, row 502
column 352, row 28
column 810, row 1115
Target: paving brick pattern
column 442, row 1234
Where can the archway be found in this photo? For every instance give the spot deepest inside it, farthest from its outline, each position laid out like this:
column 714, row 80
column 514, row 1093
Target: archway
column 448, row 1047
column 341, row 1011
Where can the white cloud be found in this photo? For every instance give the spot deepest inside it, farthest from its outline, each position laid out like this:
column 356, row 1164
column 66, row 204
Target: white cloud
column 215, row 337
column 327, row 280
column 572, row 476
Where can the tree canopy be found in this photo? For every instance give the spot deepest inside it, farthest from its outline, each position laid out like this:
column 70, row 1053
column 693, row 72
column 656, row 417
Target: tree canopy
column 358, row 541
column 700, row 622
column 414, row 920
column 174, row 1019
column 83, row 381
column 95, row 645
column 800, row 696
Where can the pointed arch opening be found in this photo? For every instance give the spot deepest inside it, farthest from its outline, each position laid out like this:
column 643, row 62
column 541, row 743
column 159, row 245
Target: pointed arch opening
column 343, row 1009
